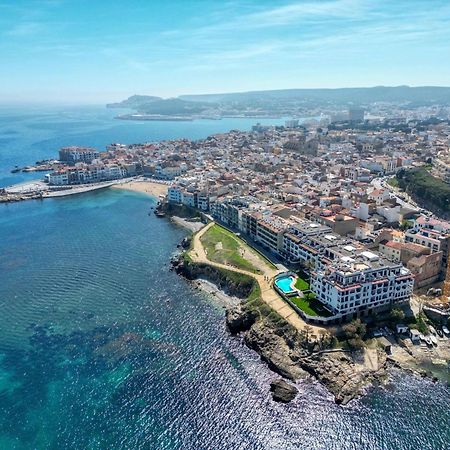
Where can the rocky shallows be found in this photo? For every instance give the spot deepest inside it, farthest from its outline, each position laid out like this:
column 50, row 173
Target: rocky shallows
column 294, row 356
column 291, row 354
column 282, row 391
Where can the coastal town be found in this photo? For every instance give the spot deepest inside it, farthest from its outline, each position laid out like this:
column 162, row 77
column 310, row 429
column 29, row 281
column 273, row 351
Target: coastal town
column 225, row 225
column 321, row 200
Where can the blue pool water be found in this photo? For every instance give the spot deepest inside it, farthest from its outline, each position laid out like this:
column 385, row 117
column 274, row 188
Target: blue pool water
column 285, row 284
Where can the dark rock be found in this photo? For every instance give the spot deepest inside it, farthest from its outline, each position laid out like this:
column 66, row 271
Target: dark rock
column 282, row 391
column 339, row 373
column 186, row 242
column 239, row 319
column 219, row 277
column 274, row 350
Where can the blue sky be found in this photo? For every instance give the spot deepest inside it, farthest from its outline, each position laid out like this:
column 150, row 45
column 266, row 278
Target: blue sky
column 98, row 50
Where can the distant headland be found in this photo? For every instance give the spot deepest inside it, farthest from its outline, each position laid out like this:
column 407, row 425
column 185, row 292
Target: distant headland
column 275, row 103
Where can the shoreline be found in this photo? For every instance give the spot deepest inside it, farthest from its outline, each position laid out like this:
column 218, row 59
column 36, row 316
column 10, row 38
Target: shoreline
column 219, row 295
column 193, row 226
column 38, row 190
column 152, row 188
column 346, row 374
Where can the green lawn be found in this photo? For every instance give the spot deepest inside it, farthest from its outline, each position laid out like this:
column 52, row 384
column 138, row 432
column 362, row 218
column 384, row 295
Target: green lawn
column 223, row 247
column 301, row 284
column 393, row 182
column 310, row 305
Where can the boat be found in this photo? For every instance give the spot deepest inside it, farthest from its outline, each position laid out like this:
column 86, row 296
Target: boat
column 159, row 213
column 434, row 340
column 428, row 341
column 445, row 330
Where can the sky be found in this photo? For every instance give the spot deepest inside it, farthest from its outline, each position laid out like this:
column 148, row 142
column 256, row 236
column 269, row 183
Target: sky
column 100, row 51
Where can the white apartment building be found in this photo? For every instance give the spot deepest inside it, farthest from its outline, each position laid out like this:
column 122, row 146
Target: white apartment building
column 57, row 178
column 78, row 154
column 361, row 285
column 83, row 174
column 299, row 244
column 269, row 233
column 174, row 194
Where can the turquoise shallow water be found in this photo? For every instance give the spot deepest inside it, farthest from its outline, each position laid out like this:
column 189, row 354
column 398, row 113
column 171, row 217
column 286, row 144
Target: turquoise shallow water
column 102, row 347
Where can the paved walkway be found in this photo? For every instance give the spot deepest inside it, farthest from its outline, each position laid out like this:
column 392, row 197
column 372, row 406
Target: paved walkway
column 268, row 294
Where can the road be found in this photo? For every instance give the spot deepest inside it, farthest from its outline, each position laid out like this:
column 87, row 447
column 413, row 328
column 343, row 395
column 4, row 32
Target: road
column 381, row 183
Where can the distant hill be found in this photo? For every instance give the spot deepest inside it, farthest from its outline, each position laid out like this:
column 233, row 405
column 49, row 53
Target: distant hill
column 159, row 106
column 134, row 102
column 422, row 94
column 283, row 102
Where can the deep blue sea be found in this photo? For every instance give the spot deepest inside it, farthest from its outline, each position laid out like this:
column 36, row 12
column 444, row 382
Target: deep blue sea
column 102, row 347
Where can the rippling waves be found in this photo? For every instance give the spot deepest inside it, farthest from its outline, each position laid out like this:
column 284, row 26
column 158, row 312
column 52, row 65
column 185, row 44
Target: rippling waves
column 102, row 347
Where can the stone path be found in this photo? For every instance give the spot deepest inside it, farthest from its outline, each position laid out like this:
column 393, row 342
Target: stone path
column 268, row 294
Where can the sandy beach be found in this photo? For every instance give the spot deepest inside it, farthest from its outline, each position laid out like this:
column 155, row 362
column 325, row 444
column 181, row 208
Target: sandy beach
column 148, row 187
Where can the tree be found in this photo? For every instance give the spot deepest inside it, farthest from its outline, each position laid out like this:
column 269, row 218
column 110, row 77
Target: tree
column 354, row 333
column 355, row 343
column 404, row 225
column 397, row 315
column 349, row 330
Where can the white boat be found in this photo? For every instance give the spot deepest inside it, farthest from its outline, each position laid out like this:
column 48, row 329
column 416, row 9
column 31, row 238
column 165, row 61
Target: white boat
column 428, row 341
column 433, row 339
column 445, row 330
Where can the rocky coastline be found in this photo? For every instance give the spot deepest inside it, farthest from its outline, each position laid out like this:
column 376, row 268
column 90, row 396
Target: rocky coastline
column 288, row 353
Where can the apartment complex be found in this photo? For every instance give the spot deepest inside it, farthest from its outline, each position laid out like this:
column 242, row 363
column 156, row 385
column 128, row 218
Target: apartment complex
column 72, row 155
column 346, row 277
column 361, row 284
column 85, row 173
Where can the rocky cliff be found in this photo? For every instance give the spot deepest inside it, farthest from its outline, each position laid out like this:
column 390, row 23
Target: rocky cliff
column 344, row 374
column 286, row 351
column 232, row 283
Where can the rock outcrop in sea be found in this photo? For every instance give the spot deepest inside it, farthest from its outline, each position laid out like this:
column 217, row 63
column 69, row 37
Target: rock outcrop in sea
column 287, row 353
column 282, row 391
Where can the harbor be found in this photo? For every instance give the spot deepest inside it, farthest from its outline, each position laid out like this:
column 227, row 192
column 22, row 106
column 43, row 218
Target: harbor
column 38, row 190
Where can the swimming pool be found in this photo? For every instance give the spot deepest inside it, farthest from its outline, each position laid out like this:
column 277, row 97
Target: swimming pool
column 285, row 284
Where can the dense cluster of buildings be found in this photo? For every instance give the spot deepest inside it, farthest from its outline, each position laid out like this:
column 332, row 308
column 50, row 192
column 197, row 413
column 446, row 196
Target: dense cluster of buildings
column 313, row 196
column 320, row 200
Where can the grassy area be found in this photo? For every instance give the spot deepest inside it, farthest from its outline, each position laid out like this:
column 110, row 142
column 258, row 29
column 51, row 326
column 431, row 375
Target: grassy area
column 301, row 284
column 264, row 257
column 309, row 305
column 224, row 247
column 393, row 182
column 419, row 324
column 432, row 191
